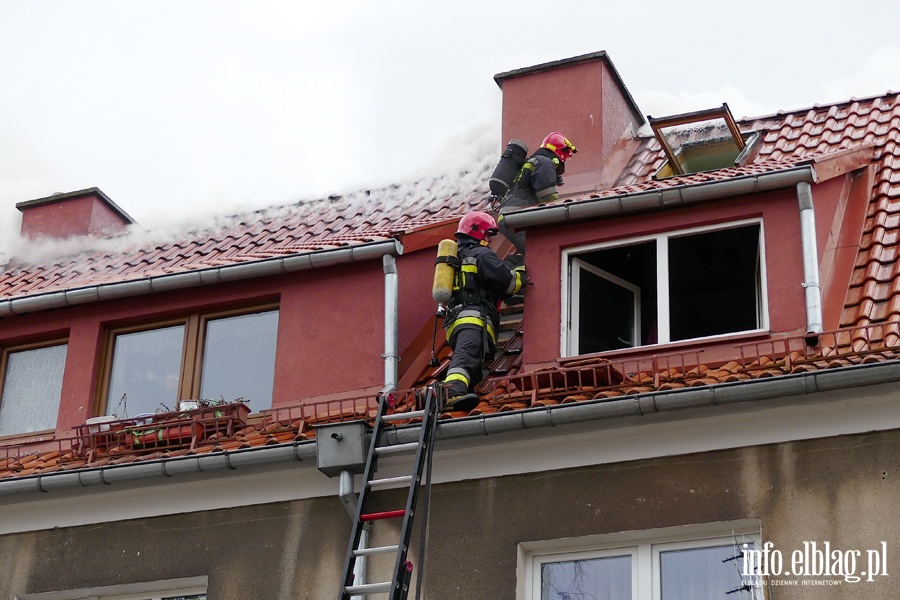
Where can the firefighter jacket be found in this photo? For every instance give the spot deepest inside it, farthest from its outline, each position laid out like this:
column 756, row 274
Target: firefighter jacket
column 482, row 280
column 536, row 181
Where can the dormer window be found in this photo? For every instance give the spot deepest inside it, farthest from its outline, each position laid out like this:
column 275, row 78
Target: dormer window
column 700, row 141
column 668, row 287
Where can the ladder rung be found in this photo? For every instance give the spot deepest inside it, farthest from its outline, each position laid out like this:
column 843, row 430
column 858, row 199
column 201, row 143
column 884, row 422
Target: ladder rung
column 368, row 588
column 388, row 514
column 403, row 415
column 377, row 550
column 406, row 479
column 397, row 448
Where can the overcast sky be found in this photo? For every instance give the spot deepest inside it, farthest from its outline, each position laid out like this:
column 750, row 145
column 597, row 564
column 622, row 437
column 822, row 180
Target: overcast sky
column 178, row 108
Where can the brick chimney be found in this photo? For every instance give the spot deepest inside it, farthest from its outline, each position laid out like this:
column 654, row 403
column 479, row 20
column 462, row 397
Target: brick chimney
column 584, row 98
column 60, row 216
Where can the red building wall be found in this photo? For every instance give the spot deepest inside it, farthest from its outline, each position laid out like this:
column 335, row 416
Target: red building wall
column 330, row 329
column 784, row 265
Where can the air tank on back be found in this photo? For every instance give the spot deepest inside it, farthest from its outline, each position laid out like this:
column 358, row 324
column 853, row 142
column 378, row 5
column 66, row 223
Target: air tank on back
column 507, row 168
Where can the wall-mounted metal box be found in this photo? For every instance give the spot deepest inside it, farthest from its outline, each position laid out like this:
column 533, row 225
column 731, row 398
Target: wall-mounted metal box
column 342, row 446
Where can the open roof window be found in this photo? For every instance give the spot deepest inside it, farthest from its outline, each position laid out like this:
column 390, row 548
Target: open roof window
column 704, row 140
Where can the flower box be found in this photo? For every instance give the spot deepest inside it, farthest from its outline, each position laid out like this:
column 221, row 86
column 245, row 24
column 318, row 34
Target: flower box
column 177, row 433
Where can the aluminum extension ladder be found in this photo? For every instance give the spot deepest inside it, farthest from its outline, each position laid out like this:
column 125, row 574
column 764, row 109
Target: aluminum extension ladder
column 397, row 584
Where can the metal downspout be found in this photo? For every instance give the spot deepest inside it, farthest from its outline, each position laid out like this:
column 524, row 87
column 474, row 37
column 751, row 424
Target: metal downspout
column 349, row 499
column 391, row 322
column 810, row 252
column 391, row 358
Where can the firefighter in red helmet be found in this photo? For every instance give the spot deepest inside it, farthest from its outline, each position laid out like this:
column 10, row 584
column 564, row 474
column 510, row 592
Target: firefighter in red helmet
column 536, row 181
column 472, row 319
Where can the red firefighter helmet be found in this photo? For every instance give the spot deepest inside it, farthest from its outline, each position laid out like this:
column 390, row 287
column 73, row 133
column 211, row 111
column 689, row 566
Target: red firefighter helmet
column 478, row 224
column 558, row 143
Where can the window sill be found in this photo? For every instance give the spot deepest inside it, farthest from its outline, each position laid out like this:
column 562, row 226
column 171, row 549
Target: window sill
column 679, row 347
column 27, row 438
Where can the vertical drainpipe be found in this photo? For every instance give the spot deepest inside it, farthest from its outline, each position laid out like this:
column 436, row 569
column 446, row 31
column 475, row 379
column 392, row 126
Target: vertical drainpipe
column 391, row 321
column 810, row 259
column 350, row 499
column 391, row 358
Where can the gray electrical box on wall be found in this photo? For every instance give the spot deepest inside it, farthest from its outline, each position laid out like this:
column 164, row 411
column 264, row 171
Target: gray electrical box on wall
column 342, row 447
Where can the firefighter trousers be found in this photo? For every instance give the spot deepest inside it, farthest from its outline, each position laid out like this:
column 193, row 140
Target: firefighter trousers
column 464, row 372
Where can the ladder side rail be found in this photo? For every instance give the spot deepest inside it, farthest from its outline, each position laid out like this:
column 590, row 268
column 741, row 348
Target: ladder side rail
column 420, row 573
column 402, row 571
column 358, row 524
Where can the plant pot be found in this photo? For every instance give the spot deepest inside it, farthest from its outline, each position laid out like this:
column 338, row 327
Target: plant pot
column 98, row 424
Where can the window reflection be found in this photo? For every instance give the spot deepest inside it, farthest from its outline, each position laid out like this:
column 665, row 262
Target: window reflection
column 239, row 359
column 700, row 574
column 591, row 579
column 32, row 387
column 146, row 371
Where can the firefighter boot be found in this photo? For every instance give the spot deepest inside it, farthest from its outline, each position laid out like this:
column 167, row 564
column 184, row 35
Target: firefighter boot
column 466, row 402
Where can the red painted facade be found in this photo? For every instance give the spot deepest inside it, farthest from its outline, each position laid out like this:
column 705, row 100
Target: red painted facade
column 330, row 329
column 780, row 216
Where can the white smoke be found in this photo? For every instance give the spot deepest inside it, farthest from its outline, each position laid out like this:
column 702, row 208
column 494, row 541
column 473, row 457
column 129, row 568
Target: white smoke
column 456, row 178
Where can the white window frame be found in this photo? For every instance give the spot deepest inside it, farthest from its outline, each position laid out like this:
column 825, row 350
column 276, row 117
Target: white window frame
column 569, row 289
column 578, row 266
column 148, row 590
column 643, row 546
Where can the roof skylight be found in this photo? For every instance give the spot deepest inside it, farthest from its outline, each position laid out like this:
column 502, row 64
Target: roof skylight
column 698, row 141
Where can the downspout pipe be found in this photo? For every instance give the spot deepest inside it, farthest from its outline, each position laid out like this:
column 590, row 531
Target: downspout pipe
column 809, row 249
column 350, row 500
column 391, row 358
column 391, row 354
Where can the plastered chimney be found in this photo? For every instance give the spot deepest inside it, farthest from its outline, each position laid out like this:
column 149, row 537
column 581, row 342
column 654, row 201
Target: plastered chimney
column 583, row 98
column 60, row 216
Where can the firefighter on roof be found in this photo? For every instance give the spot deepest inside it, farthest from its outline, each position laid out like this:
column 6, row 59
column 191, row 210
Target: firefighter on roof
column 536, row 181
column 473, row 317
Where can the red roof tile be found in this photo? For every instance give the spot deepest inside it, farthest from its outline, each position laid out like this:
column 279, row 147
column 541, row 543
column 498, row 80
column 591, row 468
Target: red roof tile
column 302, row 228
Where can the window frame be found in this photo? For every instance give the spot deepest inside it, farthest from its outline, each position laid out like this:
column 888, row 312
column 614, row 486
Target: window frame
column 673, row 162
column 569, row 322
column 148, row 590
column 644, row 547
column 579, row 265
column 5, row 351
column 193, row 343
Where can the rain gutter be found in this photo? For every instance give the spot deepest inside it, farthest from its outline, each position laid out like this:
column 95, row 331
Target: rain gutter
column 212, row 276
column 614, row 206
column 799, row 384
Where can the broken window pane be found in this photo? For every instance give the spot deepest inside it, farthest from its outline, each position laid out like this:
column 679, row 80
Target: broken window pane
column 31, row 389
column 146, row 371
column 239, row 359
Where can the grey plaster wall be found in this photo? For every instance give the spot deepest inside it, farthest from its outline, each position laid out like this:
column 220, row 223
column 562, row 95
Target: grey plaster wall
column 842, row 490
